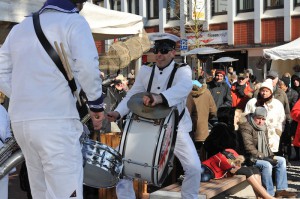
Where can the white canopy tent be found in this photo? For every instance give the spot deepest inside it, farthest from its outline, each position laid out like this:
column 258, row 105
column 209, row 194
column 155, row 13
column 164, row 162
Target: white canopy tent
column 104, row 23
column 284, row 57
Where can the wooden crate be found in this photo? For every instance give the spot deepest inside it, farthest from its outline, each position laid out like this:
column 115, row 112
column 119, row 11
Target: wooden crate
column 140, row 187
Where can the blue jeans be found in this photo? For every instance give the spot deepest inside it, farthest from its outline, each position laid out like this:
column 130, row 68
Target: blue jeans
column 280, row 174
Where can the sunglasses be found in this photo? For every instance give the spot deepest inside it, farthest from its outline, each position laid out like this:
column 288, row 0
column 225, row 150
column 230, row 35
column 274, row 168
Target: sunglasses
column 162, row 51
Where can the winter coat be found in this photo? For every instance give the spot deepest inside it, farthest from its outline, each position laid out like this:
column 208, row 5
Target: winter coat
column 295, row 114
column 201, row 106
column 221, row 93
column 275, row 119
column 239, row 101
column 220, row 165
column 249, row 138
column 280, row 95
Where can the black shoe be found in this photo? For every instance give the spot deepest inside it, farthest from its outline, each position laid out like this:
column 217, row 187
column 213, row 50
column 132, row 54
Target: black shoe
column 285, row 194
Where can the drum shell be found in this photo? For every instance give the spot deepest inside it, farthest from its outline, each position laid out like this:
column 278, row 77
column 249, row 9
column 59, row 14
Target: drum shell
column 102, row 164
column 142, row 147
column 140, row 187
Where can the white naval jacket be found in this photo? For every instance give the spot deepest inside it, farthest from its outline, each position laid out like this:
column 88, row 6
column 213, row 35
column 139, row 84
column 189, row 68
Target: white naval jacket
column 36, row 87
column 176, row 95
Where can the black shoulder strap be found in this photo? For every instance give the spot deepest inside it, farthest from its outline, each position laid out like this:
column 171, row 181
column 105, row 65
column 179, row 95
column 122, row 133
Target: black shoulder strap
column 172, row 75
column 151, row 79
column 50, row 50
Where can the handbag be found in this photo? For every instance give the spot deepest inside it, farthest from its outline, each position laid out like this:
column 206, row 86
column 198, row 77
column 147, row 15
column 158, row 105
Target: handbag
column 50, row 50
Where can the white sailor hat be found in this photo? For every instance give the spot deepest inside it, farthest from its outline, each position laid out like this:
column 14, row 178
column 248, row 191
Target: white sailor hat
column 164, row 39
column 163, row 36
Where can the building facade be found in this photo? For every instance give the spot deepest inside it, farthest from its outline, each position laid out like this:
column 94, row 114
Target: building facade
column 242, row 28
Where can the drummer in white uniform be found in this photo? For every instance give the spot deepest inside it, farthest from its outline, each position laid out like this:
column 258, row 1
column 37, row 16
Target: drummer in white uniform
column 42, row 108
column 5, row 133
column 176, row 95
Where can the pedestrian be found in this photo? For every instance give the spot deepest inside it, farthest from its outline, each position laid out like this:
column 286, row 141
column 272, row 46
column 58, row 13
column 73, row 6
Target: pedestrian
column 42, row 108
column 276, row 115
column 220, row 90
column 295, row 113
column 241, row 92
column 253, row 131
column 5, row 134
column 201, row 106
column 173, row 93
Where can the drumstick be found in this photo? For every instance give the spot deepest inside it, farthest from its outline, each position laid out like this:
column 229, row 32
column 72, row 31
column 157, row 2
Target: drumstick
column 64, row 59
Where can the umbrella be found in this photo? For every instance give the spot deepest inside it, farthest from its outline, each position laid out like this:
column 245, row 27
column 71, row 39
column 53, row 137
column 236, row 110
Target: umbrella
column 203, row 51
column 225, row 59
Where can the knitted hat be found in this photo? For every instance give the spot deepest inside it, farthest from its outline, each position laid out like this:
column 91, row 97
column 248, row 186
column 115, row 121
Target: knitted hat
column 220, row 72
column 267, row 84
column 272, row 74
column 197, row 83
column 260, row 112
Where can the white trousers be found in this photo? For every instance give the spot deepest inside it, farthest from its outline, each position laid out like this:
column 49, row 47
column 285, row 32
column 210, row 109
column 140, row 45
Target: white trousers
column 53, row 157
column 186, row 152
column 4, row 187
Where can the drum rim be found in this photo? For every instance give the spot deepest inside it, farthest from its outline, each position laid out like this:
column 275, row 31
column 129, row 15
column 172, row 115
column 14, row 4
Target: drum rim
column 171, row 153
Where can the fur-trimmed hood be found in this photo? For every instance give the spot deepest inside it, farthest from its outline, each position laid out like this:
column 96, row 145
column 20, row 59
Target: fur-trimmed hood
column 197, row 91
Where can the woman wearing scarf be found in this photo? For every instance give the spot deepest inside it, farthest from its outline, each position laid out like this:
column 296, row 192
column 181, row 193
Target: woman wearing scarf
column 42, row 108
column 254, row 134
column 276, row 114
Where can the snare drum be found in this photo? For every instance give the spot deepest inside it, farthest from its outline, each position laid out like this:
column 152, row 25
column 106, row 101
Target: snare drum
column 147, row 147
column 102, row 164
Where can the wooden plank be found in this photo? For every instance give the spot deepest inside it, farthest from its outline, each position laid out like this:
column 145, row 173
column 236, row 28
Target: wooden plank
column 210, row 189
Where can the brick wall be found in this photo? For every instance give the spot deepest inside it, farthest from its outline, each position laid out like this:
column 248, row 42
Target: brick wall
column 295, row 27
column 272, row 31
column 220, row 26
column 100, row 45
column 244, row 32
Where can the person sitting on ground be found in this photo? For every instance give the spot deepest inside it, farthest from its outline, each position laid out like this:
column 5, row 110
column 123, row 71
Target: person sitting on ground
column 228, row 163
column 255, row 147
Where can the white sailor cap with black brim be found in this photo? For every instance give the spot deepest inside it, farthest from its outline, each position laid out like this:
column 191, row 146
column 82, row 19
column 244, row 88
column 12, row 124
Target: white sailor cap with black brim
column 163, row 39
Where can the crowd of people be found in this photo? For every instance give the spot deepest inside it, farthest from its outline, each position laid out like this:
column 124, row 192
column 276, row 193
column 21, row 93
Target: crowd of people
column 232, row 119
column 257, row 119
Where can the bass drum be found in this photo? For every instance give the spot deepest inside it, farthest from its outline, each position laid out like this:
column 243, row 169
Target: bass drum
column 147, row 147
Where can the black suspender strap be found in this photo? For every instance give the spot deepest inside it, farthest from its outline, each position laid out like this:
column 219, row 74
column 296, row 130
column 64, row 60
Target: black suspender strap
column 151, row 79
column 50, row 50
column 170, row 80
column 172, row 75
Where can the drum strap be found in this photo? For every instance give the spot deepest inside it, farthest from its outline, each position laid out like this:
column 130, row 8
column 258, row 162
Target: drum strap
column 50, row 50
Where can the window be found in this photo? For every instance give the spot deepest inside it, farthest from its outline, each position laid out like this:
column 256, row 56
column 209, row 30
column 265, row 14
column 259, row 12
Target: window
column 297, row 3
column 173, row 9
column 133, row 7
column 219, row 7
column 245, row 6
column 273, row 4
column 115, row 5
column 152, row 9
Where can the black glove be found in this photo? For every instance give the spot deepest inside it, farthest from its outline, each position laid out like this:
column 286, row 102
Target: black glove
column 228, row 155
column 272, row 161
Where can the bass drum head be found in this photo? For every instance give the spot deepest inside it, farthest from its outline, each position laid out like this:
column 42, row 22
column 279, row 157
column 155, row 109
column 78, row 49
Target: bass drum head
column 102, row 165
column 165, row 150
